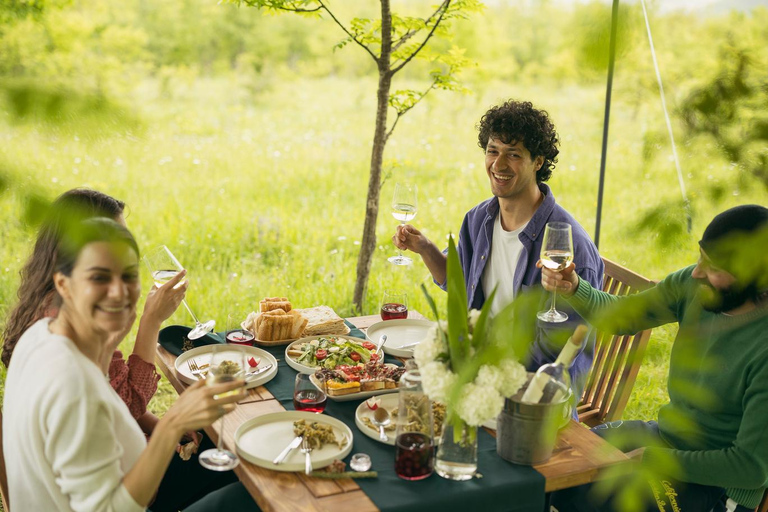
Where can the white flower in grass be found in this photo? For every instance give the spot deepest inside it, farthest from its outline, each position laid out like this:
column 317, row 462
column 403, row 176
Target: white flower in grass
column 431, row 347
column 478, row 404
column 436, row 379
column 513, row 377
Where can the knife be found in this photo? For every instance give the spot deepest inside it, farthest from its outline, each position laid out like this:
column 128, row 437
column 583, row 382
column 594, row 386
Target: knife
column 408, row 345
column 248, row 376
column 294, row 444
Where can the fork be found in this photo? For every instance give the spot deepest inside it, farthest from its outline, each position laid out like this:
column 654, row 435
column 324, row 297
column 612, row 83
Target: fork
column 196, row 371
column 306, row 450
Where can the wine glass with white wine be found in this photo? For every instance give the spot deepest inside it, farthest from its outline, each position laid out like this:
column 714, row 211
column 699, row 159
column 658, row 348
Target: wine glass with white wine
column 163, row 266
column 227, row 365
column 404, row 210
column 556, row 254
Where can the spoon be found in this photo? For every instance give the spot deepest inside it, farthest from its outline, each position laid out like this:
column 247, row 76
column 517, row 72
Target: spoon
column 382, row 341
column 381, row 419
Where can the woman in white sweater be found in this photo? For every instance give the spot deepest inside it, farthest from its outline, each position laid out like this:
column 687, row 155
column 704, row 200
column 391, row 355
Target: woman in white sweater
column 70, row 441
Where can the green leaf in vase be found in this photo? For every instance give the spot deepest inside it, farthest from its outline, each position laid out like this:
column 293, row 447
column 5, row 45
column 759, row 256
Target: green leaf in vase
column 458, row 327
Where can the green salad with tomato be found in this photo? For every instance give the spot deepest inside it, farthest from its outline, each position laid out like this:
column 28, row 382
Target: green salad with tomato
column 332, row 351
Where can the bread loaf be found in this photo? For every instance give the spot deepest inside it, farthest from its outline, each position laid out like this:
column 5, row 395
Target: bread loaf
column 277, row 324
column 273, row 303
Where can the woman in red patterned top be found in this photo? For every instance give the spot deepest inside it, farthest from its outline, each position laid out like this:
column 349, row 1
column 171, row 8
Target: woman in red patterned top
column 134, row 380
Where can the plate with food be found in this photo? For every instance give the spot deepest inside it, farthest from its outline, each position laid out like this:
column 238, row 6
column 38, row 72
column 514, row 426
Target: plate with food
column 402, row 335
column 354, row 382
column 366, row 410
column 260, row 440
column 328, row 351
column 257, row 359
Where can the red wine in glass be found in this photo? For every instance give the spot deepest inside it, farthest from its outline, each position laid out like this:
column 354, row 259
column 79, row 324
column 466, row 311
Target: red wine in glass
column 393, row 311
column 240, row 337
column 309, row 400
column 414, row 456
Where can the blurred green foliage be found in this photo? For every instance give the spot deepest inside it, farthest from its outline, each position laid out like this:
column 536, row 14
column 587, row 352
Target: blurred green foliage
column 240, row 138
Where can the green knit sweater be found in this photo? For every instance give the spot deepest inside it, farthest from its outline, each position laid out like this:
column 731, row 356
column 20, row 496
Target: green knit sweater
column 717, row 416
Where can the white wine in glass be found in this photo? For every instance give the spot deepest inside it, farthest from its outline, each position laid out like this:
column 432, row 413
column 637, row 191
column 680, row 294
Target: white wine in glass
column 227, row 365
column 164, row 266
column 404, row 210
column 556, row 254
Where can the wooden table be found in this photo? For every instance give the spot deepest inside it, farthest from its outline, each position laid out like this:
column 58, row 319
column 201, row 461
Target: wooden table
column 579, row 457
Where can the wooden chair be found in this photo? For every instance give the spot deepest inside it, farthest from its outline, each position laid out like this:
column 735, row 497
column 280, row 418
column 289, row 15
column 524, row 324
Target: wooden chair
column 763, row 506
column 3, row 474
column 617, row 358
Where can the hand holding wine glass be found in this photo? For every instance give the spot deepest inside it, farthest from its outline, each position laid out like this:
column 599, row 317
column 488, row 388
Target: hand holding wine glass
column 556, row 255
column 164, row 266
column 228, row 364
column 563, row 281
column 403, row 209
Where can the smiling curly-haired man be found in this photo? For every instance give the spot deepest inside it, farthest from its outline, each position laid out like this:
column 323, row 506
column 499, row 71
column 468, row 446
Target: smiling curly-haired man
column 500, row 239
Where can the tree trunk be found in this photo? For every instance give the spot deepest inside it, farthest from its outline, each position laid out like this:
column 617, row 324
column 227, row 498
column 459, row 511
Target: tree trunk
column 368, row 243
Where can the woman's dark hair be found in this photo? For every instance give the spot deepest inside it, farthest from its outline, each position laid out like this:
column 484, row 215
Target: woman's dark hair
column 36, row 291
column 97, row 229
column 518, row 121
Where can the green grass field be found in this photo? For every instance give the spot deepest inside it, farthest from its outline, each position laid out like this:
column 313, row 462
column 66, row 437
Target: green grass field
column 262, row 194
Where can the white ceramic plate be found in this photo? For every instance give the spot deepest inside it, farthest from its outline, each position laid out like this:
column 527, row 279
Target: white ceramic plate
column 202, row 355
column 399, row 332
column 362, row 394
column 301, row 368
column 389, row 402
column 261, row 439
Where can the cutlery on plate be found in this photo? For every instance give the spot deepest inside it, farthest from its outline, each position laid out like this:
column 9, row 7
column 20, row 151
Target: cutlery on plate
column 250, row 375
column 409, row 345
column 306, row 450
column 381, row 419
column 196, row 371
column 291, row 446
column 382, row 341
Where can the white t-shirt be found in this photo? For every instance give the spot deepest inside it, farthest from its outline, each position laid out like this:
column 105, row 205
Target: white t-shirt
column 68, row 437
column 502, row 262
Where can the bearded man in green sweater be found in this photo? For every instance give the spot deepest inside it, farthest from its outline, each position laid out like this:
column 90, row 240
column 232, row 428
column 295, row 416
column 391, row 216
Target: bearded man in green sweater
column 709, row 449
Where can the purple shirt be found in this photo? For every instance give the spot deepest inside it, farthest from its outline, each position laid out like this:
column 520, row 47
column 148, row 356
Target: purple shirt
column 474, row 247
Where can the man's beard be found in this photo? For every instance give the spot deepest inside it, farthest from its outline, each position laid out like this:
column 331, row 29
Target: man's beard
column 719, row 301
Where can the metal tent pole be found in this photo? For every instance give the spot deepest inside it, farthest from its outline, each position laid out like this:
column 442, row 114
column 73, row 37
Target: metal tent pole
column 609, row 87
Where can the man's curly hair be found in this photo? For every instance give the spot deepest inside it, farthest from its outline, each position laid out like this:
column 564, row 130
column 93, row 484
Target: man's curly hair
column 519, row 121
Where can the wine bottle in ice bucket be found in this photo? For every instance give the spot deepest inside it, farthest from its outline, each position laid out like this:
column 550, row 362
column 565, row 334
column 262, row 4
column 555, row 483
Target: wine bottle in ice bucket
column 552, row 382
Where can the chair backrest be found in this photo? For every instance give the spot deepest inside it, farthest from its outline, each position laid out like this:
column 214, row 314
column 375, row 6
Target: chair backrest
column 763, row 506
column 3, row 474
column 617, row 358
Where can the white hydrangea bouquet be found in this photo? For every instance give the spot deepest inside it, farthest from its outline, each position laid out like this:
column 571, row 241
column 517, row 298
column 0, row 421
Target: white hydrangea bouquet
column 469, row 361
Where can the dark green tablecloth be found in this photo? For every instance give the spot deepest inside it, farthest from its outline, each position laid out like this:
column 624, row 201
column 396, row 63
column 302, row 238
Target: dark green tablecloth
column 504, row 486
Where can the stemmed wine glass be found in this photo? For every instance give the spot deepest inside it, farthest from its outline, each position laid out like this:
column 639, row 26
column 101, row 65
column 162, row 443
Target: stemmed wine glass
column 556, row 254
column 404, row 210
column 228, row 363
column 163, row 266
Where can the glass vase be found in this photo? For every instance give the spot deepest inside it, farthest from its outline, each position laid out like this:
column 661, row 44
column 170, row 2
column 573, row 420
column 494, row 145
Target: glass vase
column 457, row 453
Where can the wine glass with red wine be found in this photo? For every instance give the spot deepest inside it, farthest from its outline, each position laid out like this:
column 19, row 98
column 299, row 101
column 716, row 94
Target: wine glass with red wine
column 394, row 305
column 309, row 393
column 236, row 333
